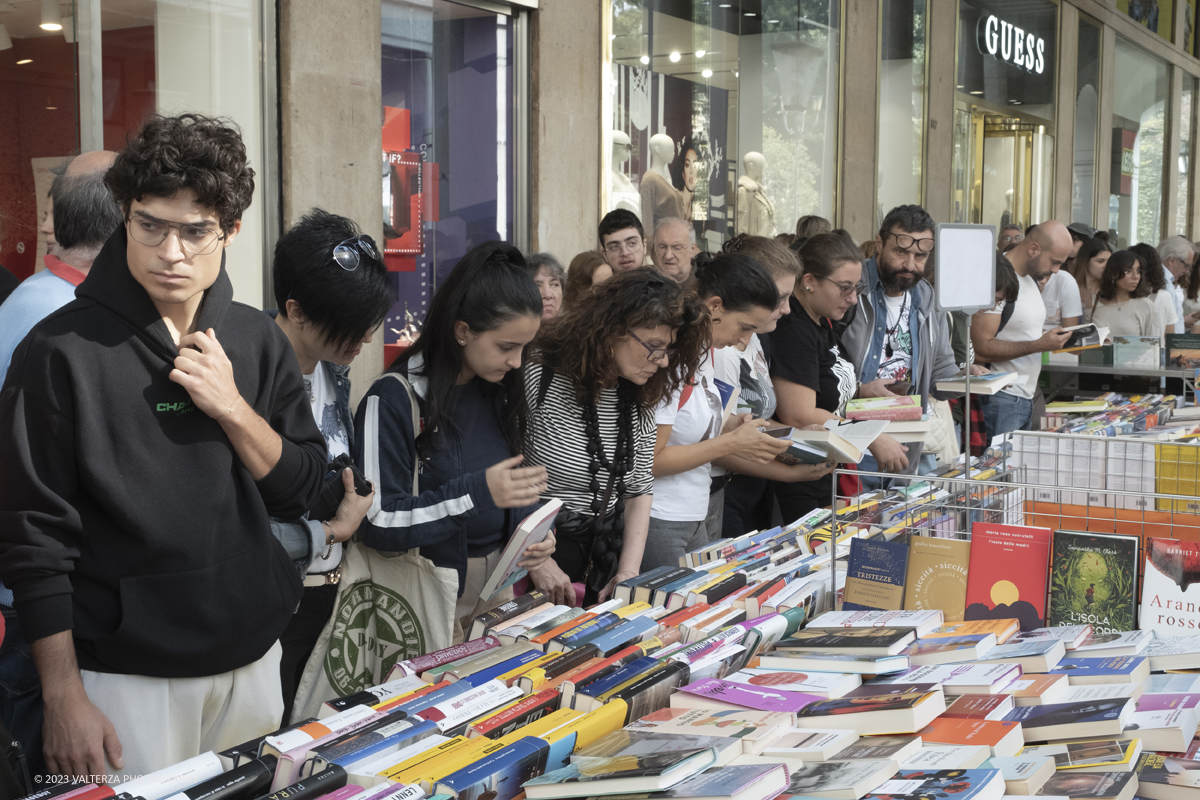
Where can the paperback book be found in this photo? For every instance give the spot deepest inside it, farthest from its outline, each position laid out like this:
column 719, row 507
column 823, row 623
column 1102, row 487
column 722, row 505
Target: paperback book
column 971, row 784
column 875, row 576
column 1093, row 579
column 1170, row 599
column 1007, row 577
column 937, row 576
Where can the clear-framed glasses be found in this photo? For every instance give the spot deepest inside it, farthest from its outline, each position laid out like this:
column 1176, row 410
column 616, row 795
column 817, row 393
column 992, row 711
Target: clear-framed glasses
column 346, row 253
column 847, row 288
column 654, row 354
column 925, row 245
column 199, row 240
column 630, row 244
column 677, row 249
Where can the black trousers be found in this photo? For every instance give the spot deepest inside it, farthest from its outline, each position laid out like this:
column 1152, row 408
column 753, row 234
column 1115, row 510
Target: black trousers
column 299, row 639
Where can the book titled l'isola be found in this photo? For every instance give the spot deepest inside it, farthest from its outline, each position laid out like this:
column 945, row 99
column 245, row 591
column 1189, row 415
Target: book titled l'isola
column 1093, row 578
column 875, row 576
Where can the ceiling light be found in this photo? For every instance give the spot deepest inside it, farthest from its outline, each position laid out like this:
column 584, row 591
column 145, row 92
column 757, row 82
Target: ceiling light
column 961, row 86
column 749, row 13
column 25, row 61
column 51, row 17
column 976, row 92
column 772, row 22
column 645, row 59
column 52, row 108
column 674, row 58
column 707, row 73
column 725, row 5
column 5, row 41
column 701, row 53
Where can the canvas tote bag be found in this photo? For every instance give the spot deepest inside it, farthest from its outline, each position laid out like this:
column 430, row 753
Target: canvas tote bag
column 390, row 607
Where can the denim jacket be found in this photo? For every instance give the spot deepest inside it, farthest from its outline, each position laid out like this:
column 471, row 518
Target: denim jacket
column 304, row 539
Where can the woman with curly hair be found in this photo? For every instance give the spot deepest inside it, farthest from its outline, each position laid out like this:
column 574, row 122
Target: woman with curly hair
column 1123, row 304
column 593, row 383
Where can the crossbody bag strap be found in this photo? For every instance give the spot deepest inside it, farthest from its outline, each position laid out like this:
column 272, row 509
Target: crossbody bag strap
column 416, row 424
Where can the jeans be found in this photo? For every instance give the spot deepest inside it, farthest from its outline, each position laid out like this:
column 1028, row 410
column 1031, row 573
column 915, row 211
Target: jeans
column 21, row 700
column 1005, row 413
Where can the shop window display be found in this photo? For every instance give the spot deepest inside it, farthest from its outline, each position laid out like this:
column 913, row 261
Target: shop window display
column 1136, row 191
column 723, row 113
column 1087, row 120
column 1157, row 16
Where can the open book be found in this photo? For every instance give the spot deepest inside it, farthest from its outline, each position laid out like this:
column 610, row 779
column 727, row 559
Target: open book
column 1083, row 337
column 990, row 383
column 842, row 441
column 533, row 529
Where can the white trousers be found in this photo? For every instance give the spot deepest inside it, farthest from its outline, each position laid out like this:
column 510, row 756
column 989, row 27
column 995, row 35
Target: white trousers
column 162, row 721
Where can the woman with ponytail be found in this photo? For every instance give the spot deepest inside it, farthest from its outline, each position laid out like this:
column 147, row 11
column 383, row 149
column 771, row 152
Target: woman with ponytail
column 741, row 297
column 465, row 371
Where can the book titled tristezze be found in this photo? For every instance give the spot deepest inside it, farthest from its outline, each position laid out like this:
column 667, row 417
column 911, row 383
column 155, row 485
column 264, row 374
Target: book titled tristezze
column 1007, row 577
column 1170, row 599
column 875, row 576
column 533, row 530
column 1093, row 578
column 937, row 576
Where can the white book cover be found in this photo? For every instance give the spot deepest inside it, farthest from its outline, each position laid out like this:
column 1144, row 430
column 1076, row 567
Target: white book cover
column 952, row 675
column 1159, row 719
column 532, row 530
column 816, row 744
column 175, row 778
column 532, row 622
column 827, row 684
column 946, row 757
column 1169, row 645
column 1172, row 684
column 395, row 791
column 335, row 723
column 384, row 692
column 923, row 621
column 451, row 713
column 1091, row 692
column 1098, row 644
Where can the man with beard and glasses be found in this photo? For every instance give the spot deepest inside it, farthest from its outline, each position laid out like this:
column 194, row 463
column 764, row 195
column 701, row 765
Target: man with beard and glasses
column 898, row 341
column 1018, row 345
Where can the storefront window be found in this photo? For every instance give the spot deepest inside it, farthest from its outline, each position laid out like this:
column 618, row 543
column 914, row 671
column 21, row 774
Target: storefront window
column 1155, row 15
column 724, row 113
column 1184, row 160
column 1087, row 108
column 1004, row 112
column 448, row 141
column 1139, row 127
column 901, row 103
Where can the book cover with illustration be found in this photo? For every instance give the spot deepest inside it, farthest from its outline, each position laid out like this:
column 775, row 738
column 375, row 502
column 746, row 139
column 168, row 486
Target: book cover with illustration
column 1045, row 716
column 1092, row 785
column 1183, row 350
column 1093, row 578
column 961, row 784
column 875, row 576
column 1156, row 770
column 863, row 703
column 937, row 576
column 1007, row 576
column 1170, row 599
column 623, row 773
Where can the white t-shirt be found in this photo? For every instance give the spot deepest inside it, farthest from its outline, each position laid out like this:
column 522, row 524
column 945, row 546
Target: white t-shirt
column 895, row 363
column 747, row 369
column 337, row 442
column 1025, row 325
column 1139, row 317
column 1061, row 298
column 1164, row 307
column 684, row 497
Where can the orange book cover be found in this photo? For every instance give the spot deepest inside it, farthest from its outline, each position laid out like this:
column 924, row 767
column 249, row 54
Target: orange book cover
column 1031, row 685
column 561, row 629
column 408, row 698
column 683, row 615
column 944, row 730
column 1003, row 628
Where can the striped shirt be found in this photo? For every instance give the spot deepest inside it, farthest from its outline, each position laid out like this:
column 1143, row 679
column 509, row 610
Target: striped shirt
column 557, row 439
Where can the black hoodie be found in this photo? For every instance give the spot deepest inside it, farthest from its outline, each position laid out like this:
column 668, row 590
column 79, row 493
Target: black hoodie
column 125, row 514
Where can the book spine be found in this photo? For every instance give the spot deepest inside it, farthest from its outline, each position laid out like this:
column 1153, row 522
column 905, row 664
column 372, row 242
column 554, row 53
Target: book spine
column 517, row 715
column 324, row 782
column 509, row 610
column 895, row 414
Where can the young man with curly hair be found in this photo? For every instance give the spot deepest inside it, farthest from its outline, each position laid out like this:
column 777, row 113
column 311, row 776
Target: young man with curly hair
column 150, row 430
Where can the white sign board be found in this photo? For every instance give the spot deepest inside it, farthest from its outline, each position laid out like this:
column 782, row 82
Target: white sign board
column 965, row 267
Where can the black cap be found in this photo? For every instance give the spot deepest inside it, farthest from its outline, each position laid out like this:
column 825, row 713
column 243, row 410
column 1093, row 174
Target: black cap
column 1080, row 229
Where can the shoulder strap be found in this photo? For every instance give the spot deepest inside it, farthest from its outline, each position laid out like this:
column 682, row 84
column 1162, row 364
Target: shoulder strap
column 1006, row 314
column 416, row 423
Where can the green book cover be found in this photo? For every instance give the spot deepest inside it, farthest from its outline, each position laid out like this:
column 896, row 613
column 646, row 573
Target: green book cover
column 1093, row 578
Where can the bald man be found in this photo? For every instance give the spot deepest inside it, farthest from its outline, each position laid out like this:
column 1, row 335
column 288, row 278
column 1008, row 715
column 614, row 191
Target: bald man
column 1018, row 345
column 674, row 246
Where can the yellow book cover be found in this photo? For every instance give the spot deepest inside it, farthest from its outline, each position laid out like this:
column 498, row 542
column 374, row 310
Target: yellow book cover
column 625, row 612
column 428, row 755
column 415, row 773
column 437, row 769
column 937, row 576
column 510, row 678
column 591, row 726
column 1003, row 628
column 545, row 725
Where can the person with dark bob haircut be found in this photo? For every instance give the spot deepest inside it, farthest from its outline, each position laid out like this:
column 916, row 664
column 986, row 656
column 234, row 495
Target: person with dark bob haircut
column 332, row 291
column 688, row 505
column 156, row 426
column 465, row 370
column 595, row 378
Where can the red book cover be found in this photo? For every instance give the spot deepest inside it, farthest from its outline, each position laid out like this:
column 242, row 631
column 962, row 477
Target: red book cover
column 904, row 408
column 1006, row 577
column 966, row 731
column 979, row 706
column 522, row 712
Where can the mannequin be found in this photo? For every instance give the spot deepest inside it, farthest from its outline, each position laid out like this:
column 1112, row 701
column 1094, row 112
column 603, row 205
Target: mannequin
column 755, row 212
column 622, row 193
column 659, row 197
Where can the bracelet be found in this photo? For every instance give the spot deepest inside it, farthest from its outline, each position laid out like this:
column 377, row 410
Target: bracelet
column 229, row 410
column 329, row 538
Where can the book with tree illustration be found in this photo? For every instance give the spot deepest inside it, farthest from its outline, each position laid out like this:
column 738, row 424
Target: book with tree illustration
column 1093, row 578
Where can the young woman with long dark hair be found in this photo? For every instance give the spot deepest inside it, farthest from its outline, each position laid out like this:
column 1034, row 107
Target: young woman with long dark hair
column 1155, row 278
column 465, row 370
column 1088, row 267
column 1122, row 303
column 595, row 378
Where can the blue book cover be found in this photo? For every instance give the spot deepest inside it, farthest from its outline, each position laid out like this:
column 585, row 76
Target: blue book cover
column 422, row 703
column 485, row 675
column 559, row 754
column 961, row 784
column 400, row 734
column 730, row 781
column 1068, row 713
column 1113, row 665
column 500, row 775
column 577, row 636
column 875, row 576
column 614, row 679
column 663, row 594
column 631, row 630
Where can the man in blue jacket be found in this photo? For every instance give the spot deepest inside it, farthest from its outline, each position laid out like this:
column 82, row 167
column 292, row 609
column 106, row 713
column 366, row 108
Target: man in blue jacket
column 898, row 341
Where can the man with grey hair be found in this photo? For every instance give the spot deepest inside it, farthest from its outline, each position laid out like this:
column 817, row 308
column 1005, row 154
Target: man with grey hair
column 549, row 276
column 1177, row 256
column 674, row 246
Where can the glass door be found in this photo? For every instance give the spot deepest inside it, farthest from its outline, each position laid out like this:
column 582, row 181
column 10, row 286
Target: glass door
column 1003, row 164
